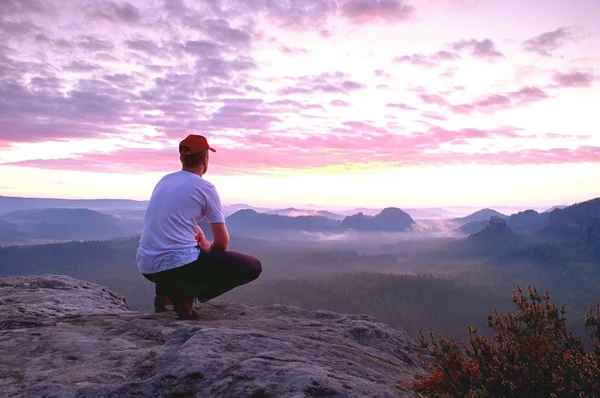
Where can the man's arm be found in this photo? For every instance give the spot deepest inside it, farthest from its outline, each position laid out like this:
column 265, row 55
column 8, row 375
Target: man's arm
column 216, row 219
column 220, row 235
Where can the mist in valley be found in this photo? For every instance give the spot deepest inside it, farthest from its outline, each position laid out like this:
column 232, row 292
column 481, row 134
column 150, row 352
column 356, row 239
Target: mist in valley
column 431, row 276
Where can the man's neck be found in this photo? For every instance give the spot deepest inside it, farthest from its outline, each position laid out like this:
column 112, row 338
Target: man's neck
column 197, row 171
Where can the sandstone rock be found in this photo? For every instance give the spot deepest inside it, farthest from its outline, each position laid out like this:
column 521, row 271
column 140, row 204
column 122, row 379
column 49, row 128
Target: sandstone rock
column 60, row 337
column 47, row 296
column 497, row 224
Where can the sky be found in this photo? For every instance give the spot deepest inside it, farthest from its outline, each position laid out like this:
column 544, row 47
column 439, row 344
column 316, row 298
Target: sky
column 327, row 103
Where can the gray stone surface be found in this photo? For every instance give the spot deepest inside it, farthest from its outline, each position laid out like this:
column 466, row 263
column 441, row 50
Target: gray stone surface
column 60, row 337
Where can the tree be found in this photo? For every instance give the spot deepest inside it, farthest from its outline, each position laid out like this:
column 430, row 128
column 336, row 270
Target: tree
column 532, row 354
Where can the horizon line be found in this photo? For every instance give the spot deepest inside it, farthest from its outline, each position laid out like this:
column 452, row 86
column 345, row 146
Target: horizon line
column 323, row 207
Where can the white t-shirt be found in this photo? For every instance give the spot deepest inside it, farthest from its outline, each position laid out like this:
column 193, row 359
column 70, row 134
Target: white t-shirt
column 178, row 202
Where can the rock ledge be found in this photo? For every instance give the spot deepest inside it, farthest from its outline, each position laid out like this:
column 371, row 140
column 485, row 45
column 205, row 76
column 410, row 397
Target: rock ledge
column 61, row 337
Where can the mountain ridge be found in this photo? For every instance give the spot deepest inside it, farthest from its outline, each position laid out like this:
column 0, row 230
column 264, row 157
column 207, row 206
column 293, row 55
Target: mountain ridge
column 568, row 222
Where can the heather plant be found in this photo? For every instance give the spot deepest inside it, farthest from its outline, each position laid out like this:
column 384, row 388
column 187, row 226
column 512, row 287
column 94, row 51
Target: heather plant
column 531, row 354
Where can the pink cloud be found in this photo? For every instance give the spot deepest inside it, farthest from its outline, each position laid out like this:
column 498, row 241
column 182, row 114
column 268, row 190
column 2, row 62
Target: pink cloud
column 81, row 67
column 433, row 99
column 111, row 11
column 315, row 14
column 403, row 107
column 337, row 102
column 382, row 73
column 9, row 7
column 293, row 50
column 546, row 43
column 489, row 103
column 91, row 43
column 352, row 142
column 574, row 79
column 528, row 94
column 145, row 46
column 333, row 83
column 567, row 137
column 191, row 67
column 434, row 116
column 318, row 153
column 428, row 60
column 485, row 49
column 289, row 15
column 365, row 11
column 220, row 31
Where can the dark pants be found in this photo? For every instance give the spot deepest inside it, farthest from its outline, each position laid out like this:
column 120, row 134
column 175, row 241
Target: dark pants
column 211, row 275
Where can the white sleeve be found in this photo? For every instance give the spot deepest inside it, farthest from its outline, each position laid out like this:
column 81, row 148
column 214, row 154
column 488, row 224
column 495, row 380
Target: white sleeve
column 214, row 212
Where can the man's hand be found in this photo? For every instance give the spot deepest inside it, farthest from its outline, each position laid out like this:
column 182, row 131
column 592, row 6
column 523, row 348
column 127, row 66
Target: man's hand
column 201, row 239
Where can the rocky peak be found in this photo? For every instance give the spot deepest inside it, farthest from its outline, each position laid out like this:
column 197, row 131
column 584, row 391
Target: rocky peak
column 497, row 223
column 64, row 337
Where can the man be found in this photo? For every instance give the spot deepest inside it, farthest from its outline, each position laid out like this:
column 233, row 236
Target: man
column 173, row 251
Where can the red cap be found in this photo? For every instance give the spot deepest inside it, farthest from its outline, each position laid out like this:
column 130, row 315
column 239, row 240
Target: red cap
column 194, row 144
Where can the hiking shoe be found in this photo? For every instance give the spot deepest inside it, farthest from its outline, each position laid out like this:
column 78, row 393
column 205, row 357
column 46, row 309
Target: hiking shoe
column 162, row 303
column 188, row 314
column 183, row 304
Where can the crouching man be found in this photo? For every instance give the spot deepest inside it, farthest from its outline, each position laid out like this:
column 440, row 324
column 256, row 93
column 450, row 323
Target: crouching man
column 174, row 253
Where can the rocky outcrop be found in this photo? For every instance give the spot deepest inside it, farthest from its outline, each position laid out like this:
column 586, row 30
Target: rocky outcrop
column 39, row 298
column 64, row 337
column 496, row 230
column 497, row 224
column 497, row 237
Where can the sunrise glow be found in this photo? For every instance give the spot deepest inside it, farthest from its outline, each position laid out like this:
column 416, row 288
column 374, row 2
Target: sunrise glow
column 331, row 103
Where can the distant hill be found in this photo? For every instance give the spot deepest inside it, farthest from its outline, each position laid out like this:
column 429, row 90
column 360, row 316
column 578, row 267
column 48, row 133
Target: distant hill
column 554, row 208
column 473, row 227
column 494, row 238
column 572, row 222
column 248, row 220
column 390, row 219
column 6, row 226
column 494, row 231
column 10, row 233
column 414, row 212
column 10, row 204
column 525, row 221
column 230, row 209
column 293, row 212
column 67, row 224
column 57, row 216
column 480, row 215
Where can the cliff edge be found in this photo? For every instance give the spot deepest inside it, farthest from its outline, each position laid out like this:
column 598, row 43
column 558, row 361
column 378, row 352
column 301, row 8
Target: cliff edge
column 63, row 337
